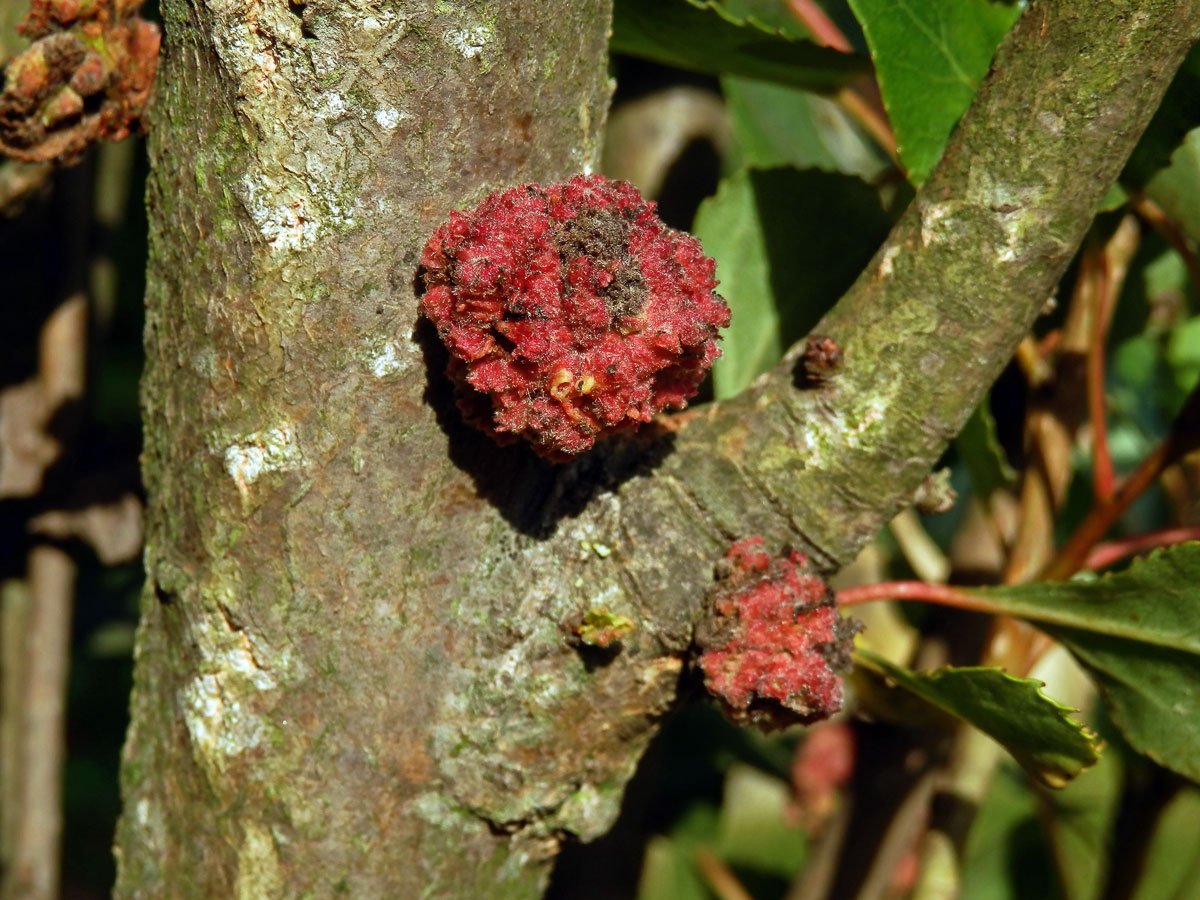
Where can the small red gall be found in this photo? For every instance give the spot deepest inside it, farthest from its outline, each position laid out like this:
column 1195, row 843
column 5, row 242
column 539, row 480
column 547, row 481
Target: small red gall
column 571, row 312
column 773, row 642
column 822, row 357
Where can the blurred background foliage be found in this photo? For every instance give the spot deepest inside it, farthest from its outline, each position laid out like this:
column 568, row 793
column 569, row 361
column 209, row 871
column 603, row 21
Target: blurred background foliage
column 788, row 135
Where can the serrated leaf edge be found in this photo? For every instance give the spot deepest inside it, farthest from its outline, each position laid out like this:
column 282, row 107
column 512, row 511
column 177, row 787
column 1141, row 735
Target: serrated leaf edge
column 750, row 21
column 880, row 665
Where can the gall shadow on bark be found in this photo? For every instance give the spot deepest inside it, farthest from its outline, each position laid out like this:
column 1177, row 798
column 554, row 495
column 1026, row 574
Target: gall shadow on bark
column 594, row 658
column 682, row 767
column 532, row 494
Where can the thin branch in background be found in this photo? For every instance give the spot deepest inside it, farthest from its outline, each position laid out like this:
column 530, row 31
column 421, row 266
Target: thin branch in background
column 874, row 121
column 919, row 550
column 938, row 876
column 1102, row 517
column 1049, row 429
column 1033, row 358
column 19, row 181
column 908, row 826
column 37, row 656
column 815, row 878
column 1056, row 416
column 32, row 866
column 1107, row 272
column 719, row 877
column 945, row 595
column 1048, row 345
column 1103, row 478
column 35, row 721
column 1182, row 439
column 862, row 101
column 14, row 626
column 1151, row 213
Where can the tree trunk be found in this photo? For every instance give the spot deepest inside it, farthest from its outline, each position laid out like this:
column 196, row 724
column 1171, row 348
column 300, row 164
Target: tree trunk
column 353, row 676
column 331, row 696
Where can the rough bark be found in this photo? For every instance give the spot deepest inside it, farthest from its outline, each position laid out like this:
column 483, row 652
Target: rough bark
column 353, row 675
column 320, row 625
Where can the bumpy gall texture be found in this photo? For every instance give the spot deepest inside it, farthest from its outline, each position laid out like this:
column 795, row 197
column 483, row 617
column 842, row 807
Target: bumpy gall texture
column 570, row 312
column 87, row 75
column 822, row 357
column 774, row 641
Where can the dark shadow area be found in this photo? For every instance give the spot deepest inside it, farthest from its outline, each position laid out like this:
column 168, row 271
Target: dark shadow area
column 684, row 765
column 638, row 77
column 1008, row 401
column 45, row 251
column 101, row 677
column 83, row 234
column 1030, row 868
column 692, row 177
column 532, row 494
column 594, row 657
column 36, row 253
column 821, row 229
column 890, row 761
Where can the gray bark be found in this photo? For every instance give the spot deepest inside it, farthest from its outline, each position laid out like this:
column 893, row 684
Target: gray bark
column 352, row 672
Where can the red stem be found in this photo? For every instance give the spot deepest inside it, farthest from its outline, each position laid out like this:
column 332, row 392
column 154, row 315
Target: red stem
column 1104, row 555
column 820, row 25
column 1103, row 479
column 941, row 594
column 1074, row 554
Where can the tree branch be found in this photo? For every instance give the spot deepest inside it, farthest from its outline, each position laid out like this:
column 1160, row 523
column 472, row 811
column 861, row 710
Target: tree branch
column 940, row 310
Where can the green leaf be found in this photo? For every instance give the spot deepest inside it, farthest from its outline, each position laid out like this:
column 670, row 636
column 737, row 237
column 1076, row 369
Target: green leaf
column 981, row 454
column 1183, row 354
column 1116, row 197
column 1006, row 856
column 1177, row 187
column 787, row 244
column 930, row 57
column 753, row 831
column 776, row 125
column 1079, row 828
column 1138, row 634
column 702, row 36
column 770, row 15
column 1037, row 731
column 1172, row 867
column 667, row 871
